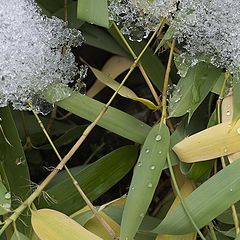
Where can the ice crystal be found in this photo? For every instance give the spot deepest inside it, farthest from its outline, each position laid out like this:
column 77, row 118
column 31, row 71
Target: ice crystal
column 138, row 18
column 35, row 52
column 210, row 28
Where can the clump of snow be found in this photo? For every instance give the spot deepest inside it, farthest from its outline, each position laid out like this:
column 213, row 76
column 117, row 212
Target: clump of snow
column 210, row 28
column 35, row 52
column 137, row 18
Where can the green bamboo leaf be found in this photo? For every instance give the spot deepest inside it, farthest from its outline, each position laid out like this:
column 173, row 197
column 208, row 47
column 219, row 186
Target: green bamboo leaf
column 100, row 38
column 13, row 163
column 192, row 89
column 95, row 180
column 145, row 180
column 167, row 37
column 94, row 12
column 56, row 8
column 208, row 201
column 68, row 137
column 18, row 236
column 5, row 199
column 114, row 120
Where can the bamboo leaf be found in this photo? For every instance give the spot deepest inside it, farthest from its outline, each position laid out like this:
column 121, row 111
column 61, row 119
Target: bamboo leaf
column 208, row 201
column 68, row 137
column 220, row 140
column 13, row 164
column 192, row 89
column 95, row 227
column 107, row 80
column 97, row 37
column 145, row 179
column 115, row 66
column 95, row 179
column 114, row 120
column 94, row 12
column 227, row 116
column 5, row 199
column 50, row 224
column 124, row 91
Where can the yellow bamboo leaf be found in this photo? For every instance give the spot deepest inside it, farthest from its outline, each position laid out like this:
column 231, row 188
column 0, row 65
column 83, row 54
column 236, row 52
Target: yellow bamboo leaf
column 115, row 202
column 114, row 85
column 147, row 103
column 227, row 108
column 187, row 188
column 227, row 114
column 50, row 224
column 114, row 67
column 95, row 227
column 220, row 140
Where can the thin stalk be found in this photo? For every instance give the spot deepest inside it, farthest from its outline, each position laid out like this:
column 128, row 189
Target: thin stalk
column 165, row 85
column 150, row 86
column 212, row 232
column 65, row 10
column 219, row 113
column 74, row 181
column 54, row 112
column 47, row 180
column 28, row 143
column 141, row 68
column 181, row 198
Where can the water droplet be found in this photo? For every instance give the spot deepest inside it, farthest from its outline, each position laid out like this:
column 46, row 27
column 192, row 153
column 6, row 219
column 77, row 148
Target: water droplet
column 41, row 105
column 231, row 190
column 7, row 195
column 141, row 215
column 225, row 150
column 177, row 100
column 153, row 167
column 20, row 161
column 160, row 152
column 139, row 164
column 80, row 87
column 158, row 137
column 132, row 188
column 6, row 205
column 228, row 113
column 150, row 185
column 147, row 150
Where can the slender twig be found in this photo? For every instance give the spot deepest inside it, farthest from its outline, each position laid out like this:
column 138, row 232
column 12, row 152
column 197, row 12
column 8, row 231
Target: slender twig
column 144, row 74
column 181, row 198
column 212, row 232
column 65, row 10
column 165, row 85
column 28, row 143
column 75, row 182
column 150, row 86
column 47, row 180
column 219, row 113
